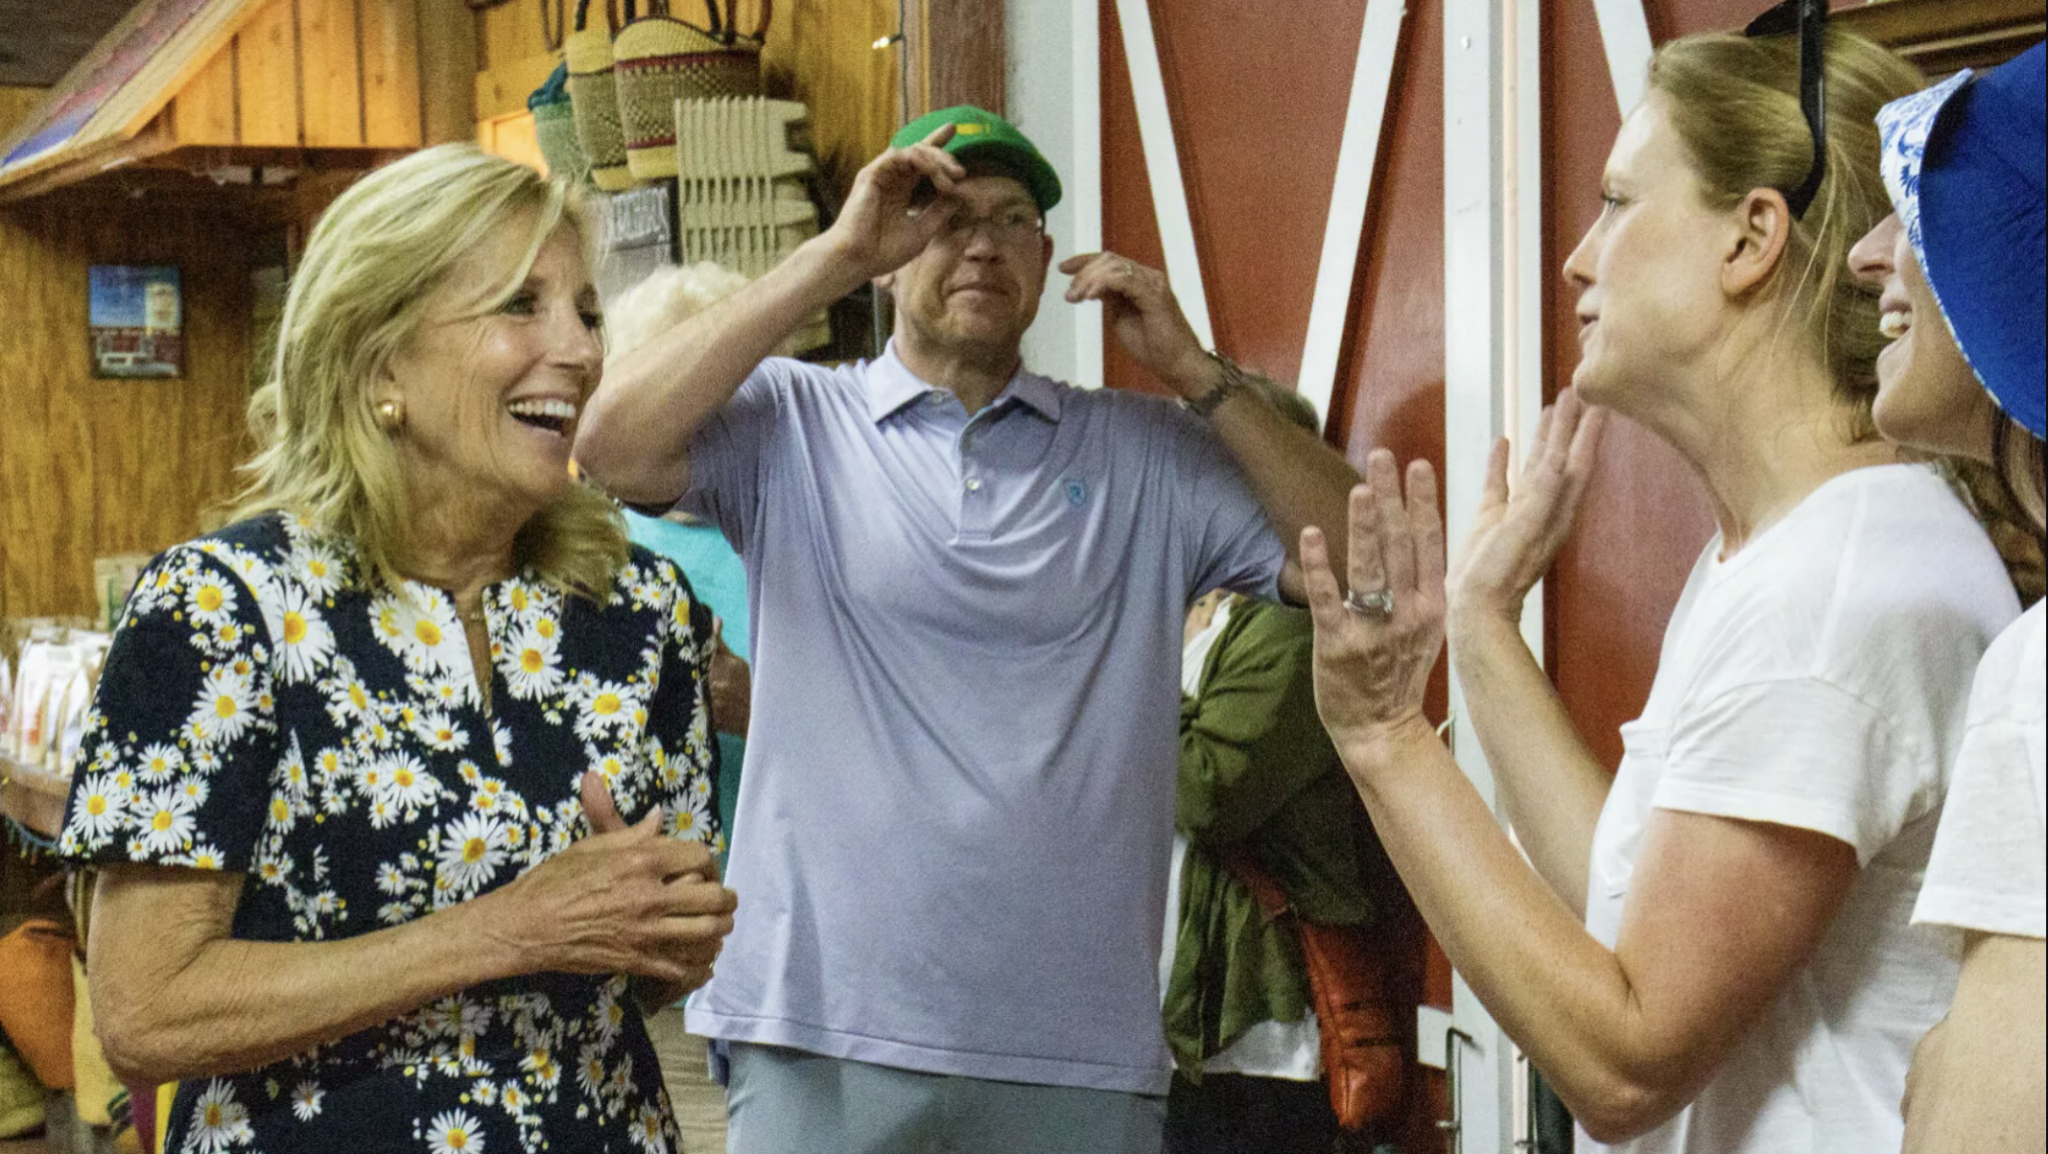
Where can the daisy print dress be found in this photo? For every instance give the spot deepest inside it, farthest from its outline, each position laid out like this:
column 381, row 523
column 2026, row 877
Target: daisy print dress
column 264, row 713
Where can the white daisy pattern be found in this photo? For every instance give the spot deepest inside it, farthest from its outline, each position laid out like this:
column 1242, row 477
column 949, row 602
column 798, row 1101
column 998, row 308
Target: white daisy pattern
column 263, row 712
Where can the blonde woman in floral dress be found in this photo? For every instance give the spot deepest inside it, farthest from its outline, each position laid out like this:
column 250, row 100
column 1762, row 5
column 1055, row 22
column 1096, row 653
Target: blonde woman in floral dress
column 401, row 786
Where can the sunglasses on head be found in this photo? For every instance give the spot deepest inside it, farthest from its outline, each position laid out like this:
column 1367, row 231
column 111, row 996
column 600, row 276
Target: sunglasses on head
column 1809, row 18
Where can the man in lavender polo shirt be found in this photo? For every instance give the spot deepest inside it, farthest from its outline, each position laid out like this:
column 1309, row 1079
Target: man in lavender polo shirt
column 967, row 585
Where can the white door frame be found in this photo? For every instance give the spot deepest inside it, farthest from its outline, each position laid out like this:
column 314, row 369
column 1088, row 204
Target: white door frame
column 1054, row 90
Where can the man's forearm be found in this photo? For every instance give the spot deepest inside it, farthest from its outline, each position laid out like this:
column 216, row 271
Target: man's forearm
column 1300, row 480
column 635, row 433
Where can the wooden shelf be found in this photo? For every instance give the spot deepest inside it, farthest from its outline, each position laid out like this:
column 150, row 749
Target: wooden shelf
column 1942, row 36
column 32, row 797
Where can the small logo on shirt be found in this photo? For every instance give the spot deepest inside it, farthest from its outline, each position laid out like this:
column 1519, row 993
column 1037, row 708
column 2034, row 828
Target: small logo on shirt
column 1076, row 491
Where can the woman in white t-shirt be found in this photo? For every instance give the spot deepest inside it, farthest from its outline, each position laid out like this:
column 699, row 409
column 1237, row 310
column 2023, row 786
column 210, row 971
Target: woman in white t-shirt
column 1961, row 267
column 1711, row 953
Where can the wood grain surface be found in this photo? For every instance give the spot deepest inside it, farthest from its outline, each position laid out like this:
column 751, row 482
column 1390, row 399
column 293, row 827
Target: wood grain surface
column 266, row 72
column 330, row 73
column 204, row 111
column 91, row 467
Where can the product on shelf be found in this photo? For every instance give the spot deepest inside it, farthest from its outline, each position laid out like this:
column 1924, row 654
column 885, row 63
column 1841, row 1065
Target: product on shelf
column 112, row 578
column 55, row 676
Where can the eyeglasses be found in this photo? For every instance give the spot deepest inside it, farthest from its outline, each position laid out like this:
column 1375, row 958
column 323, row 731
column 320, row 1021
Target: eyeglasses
column 1015, row 226
column 1809, row 18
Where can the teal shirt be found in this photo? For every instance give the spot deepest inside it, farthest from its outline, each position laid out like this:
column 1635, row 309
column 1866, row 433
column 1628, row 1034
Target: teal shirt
column 720, row 580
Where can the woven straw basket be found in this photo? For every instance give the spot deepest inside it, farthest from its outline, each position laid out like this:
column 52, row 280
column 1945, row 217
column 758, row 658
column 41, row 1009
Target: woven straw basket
column 659, row 60
column 554, row 125
column 595, row 101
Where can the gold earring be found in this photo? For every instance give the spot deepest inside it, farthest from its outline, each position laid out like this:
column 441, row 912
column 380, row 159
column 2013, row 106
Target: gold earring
column 390, row 416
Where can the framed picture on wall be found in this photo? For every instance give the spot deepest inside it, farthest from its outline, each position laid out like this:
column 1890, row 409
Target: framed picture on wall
column 136, row 321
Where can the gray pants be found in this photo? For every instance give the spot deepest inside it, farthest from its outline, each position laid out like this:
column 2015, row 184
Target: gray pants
column 790, row 1102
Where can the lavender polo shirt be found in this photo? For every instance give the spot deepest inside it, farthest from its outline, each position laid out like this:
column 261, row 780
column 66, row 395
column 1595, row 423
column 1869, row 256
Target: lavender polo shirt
column 954, row 827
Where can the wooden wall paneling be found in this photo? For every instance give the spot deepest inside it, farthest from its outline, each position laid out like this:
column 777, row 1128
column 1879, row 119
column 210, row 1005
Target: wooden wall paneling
column 46, row 476
column 513, row 138
column 330, row 74
column 204, row 111
column 502, row 91
column 514, row 56
column 266, row 77
column 391, row 73
column 164, row 451
column 960, row 55
column 829, row 61
column 449, row 43
column 90, row 467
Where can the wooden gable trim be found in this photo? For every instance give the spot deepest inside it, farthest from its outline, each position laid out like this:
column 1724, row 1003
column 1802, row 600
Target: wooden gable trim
column 136, row 99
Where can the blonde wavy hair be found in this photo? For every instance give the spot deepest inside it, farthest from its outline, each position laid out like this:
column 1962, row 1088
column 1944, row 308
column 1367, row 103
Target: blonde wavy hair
column 356, row 299
column 1734, row 102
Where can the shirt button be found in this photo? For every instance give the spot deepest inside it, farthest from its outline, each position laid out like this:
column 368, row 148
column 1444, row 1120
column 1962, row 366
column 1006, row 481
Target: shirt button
column 974, row 484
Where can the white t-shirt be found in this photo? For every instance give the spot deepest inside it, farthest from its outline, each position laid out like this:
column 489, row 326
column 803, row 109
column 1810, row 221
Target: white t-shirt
column 1990, row 866
column 1819, row 679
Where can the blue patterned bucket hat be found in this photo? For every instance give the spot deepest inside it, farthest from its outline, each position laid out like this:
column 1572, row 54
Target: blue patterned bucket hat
column 1964, row 162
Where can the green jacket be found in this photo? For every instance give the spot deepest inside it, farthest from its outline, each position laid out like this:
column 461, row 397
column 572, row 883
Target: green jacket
column 1256, row 767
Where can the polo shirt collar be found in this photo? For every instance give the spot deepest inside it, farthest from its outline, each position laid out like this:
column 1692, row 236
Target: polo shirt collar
column 892, row 387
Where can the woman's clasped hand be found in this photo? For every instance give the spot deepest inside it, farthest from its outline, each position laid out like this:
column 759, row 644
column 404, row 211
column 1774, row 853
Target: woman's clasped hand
column 628, row 900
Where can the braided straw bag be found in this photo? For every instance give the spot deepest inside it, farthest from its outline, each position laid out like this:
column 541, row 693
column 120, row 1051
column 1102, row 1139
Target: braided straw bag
column 554, row 126
column 660, row 60
column 594, row 99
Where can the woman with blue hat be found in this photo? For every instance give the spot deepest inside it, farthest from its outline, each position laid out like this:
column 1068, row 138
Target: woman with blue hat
column 1962, row 269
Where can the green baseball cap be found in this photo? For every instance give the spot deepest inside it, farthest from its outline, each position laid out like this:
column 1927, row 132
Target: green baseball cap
column 981, row 135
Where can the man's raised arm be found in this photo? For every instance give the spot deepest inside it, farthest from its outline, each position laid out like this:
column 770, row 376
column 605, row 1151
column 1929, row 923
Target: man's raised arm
column 1299, row 479
column 634, row 435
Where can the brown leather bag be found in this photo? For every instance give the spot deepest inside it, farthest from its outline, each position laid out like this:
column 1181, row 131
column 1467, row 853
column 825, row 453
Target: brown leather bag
column 35, row 999
column 1363, row 1062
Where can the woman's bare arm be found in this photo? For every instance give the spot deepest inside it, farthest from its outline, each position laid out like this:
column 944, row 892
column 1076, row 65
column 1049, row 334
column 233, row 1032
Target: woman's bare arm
column 635, row 434
column 1549, row 784
column 1720, row 913
column 1980, row 1079
column 177, row 997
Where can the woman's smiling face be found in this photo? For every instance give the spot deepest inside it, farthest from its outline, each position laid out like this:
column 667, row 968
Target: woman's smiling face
column 492, row 390
column 1927, row 395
